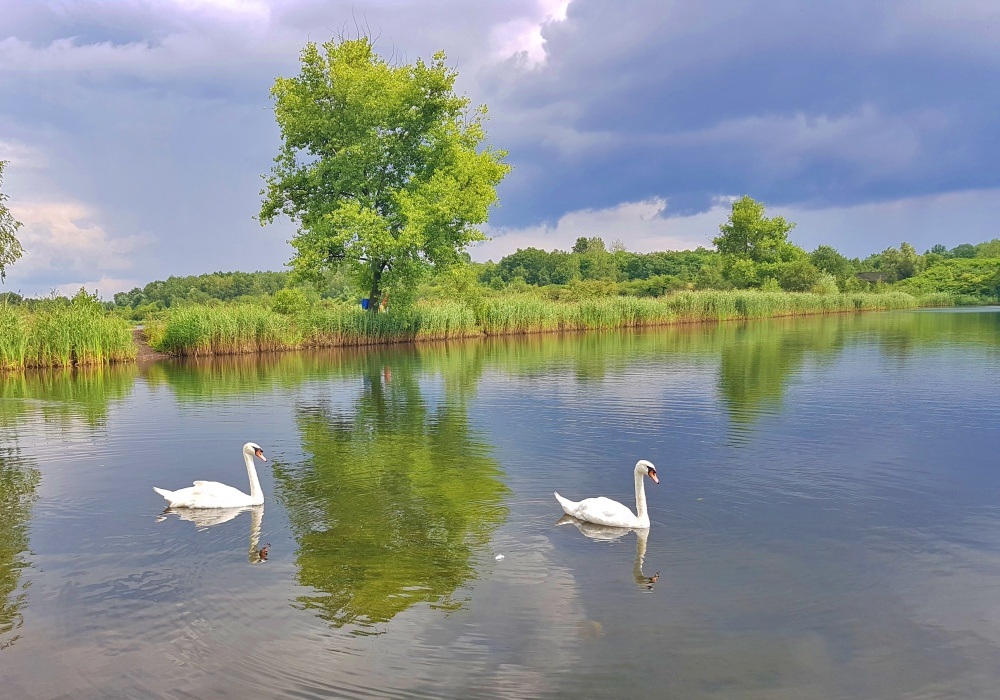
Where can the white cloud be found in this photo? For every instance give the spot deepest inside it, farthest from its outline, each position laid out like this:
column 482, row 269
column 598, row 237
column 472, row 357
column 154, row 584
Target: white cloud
column 22, row 155
column 105, row 287
column 641, row 226
column 65, row 240
column 856, row 231
column 524, row 35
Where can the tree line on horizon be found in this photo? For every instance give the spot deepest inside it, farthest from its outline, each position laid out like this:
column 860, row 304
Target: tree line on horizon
column 752, row 251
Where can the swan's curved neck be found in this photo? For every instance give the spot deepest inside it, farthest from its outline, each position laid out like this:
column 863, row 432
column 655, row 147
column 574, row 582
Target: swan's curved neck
column 640, row 501
column 255, row 493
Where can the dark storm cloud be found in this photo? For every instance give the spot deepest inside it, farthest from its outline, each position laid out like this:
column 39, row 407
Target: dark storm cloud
column 143, row 127
column 819, row 103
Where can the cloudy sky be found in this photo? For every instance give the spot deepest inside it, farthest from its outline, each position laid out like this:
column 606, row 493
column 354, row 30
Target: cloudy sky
column 138, row 130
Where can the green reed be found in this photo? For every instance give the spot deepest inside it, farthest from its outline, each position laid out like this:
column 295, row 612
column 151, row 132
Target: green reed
column 223, row 330
column 251, row 327
column 239, row 328
column 62, row 335
column 15, row 338
column 532, row 314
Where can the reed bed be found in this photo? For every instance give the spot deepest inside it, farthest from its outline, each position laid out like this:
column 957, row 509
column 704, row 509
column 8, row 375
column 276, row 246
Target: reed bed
column 62, row 336
column 224, row 330
column 530, row 314
column 240, row 328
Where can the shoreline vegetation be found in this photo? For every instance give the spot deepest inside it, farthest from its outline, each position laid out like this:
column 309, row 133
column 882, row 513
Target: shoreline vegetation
column 64, row 333
column 82, row 332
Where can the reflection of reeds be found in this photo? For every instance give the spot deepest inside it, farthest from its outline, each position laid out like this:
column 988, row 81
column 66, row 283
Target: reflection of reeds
column 239, row 328
column 60, row 335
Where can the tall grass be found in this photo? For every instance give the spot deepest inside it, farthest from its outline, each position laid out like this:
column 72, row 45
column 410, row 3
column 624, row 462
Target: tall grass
column 530, row 314
column 231, row 329
column 239, row 328
column 61, row 335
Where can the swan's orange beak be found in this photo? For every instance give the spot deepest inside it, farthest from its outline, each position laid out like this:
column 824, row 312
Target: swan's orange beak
column 652, row 475
column 260, row 453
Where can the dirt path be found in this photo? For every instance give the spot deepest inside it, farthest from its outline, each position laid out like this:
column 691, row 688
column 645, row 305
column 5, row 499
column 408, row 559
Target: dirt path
column 144, row 352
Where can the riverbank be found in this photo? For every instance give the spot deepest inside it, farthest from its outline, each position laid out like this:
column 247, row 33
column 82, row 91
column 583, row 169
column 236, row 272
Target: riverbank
column 247, row 328
column 82, row 333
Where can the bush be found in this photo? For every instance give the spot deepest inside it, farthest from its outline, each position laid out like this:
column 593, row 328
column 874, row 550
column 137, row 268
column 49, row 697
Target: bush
column 825, row 284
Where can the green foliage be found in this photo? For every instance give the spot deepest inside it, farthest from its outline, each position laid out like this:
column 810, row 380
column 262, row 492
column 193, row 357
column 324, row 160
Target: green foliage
column 61, row 333
column 251, row 327
column 796, row 275
column 423, row 491
column 637, row 274
column 219, row 286
column 749, row 235
column 19, row 482
column 653, row 286
column 10, row 247
column 827, row 259
column 825, row 284
column 989, row 249
column 381, row 165
column 290, row 301
column 958, row 276
column 229, row 329
column 742, row 273
column 963, row 250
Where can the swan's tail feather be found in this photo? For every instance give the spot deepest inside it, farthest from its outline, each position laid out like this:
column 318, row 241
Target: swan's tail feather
column 568, row 506
column 169, row 495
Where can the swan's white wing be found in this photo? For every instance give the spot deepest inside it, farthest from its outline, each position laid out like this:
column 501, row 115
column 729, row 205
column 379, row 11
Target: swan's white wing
column 208, row 494
column 604, row 511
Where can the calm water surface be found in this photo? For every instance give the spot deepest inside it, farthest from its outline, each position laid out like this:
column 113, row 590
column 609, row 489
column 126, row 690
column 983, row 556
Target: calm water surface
column 827, row 523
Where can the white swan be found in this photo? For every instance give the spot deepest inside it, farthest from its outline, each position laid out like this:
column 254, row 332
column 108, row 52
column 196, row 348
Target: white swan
column 212, row 494
column 604, row 511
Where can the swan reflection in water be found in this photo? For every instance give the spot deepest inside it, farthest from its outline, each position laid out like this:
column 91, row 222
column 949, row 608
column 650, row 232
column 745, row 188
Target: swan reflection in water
column 207, row 517
column 604, row 533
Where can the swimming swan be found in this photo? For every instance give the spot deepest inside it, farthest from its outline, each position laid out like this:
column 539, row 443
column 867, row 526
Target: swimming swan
column 604, row 511
column 212, row 494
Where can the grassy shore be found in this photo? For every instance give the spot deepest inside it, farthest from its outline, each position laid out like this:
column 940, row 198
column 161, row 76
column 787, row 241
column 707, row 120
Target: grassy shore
column 231, row 329
column 82, row 333
column 79, row 333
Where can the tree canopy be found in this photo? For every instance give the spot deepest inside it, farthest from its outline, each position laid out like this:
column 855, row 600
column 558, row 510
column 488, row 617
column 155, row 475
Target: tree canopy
column 748, row 234
column 10, row 247
column 382, row 166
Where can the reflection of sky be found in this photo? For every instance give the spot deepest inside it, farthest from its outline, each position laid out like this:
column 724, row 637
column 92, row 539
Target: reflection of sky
column 844, row 546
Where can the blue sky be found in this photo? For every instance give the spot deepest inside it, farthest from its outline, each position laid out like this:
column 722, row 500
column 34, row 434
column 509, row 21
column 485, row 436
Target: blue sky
column 138, row 131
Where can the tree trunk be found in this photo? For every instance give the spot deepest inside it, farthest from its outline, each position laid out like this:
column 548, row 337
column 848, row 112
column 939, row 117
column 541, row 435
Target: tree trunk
column 375, row 296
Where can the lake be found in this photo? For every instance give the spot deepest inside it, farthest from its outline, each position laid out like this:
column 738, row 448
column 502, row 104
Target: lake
column 826, row 524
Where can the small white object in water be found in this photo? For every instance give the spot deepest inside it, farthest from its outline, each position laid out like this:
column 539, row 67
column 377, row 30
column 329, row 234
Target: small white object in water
column 499, row 557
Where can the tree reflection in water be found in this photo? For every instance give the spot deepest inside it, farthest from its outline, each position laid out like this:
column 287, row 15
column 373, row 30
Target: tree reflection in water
column 399, row 493
column 18, row 482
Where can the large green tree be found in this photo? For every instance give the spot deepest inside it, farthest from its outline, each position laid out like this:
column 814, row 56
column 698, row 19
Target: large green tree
column 750, row 235
column 10, row 247
column 382, row 166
